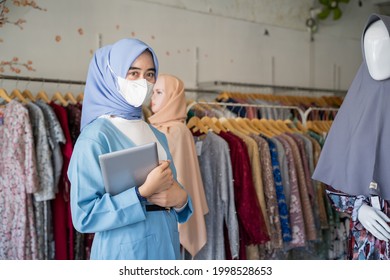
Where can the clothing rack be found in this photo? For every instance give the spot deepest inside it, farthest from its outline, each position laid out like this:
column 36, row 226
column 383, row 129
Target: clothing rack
column 303, row 114
column 75, row 82
column 42, row 80
column 275, row 87
column 311, row 109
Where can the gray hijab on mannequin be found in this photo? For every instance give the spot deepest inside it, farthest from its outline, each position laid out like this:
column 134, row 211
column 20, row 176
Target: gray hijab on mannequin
column 357, row 148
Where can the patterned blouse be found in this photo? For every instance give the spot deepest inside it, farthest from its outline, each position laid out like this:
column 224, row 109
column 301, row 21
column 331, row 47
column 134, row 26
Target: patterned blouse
column 362, row 244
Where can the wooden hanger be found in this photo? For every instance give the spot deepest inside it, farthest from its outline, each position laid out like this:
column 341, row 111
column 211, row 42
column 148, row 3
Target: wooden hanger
column 70, row 98
column 223, row 96
column 206, row 120
column 218, row 124
column 252, row 125
column 271, row 126
column 42, row 96
column 244, row 125
column 292, row 126
column 4, row 95
column 80, row 97
column 27, row 94
column 196, row 124
column 16, row 94
column 226, row 124
column 58, row 97
column 237, row 126
column 281, row 125
column 311, row 126
column 263, row 129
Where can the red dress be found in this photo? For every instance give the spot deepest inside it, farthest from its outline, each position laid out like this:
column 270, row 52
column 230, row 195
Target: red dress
column 62, row 220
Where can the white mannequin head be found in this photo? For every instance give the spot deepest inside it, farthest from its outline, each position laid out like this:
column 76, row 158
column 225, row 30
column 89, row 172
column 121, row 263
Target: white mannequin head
column 377, row 50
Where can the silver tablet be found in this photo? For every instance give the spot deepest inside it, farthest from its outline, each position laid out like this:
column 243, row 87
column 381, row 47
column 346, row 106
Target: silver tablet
column 127, row 168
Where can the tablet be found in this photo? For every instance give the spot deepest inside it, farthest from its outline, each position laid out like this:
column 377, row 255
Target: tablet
column 127, row 168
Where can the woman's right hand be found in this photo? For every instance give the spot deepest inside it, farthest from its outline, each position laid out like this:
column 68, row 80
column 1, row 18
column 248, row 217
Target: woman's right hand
column 158, row 180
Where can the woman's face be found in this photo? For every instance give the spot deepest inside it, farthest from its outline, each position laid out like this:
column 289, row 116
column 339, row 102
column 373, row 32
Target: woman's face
column 142, row 68
column 159, row 97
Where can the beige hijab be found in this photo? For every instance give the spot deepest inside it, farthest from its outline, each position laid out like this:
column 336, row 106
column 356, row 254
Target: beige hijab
column 170, row 120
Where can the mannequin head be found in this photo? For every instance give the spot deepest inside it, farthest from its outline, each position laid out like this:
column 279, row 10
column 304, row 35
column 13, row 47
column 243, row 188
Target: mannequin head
column 377, row 50
column 159, row 97
column 168, row 100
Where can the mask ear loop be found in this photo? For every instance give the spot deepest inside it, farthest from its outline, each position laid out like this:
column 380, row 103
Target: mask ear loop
column 116, row 77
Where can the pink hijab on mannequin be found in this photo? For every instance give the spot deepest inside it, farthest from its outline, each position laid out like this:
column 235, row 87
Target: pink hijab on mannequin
column 170, row 119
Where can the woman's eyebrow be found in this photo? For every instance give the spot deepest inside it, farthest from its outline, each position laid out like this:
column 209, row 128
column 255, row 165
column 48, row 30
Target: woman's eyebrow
column 137, row 68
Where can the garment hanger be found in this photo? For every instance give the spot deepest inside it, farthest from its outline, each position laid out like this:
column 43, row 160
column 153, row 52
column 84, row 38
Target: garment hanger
column 196, row 124
column 237, row 126
column 292, row 126
column 271, row 126
column 42, row 96
column 311, row 126
column 70, row 98
column 80, row 97
column 281, row 125
column 58, row 97
column 16, row 94
column 27, row 94
column 206, row 120
column 252, row 125
column 218, row 124
column 223, row 96
column 298, row 124
column 4, row 95
column 244, row 125
column 226, row 124
column 263, row 129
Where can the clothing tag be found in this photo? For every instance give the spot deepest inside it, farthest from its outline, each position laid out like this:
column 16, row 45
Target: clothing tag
column 198, row 146
column 1, row 118
column 374, row 195
column 375, row 202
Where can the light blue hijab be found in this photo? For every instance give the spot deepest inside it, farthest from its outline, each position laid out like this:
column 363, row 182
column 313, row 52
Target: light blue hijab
column 101, row 95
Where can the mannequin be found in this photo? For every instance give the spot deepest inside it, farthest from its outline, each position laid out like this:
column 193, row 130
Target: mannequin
column 377, row 53
column 168, row 105
column 355, row 158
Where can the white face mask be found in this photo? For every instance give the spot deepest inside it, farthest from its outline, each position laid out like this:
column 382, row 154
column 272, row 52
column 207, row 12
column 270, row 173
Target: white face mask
column 135, row 92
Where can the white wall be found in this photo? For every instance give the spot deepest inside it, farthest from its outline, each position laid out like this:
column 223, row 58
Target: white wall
column 228, row 36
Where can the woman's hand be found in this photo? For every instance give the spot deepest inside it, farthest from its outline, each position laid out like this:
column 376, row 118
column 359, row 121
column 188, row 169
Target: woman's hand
column 158, row 180
column 172, row 197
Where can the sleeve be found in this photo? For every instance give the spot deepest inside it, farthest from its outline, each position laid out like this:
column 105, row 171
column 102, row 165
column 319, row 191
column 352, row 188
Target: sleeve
column 345, row 203
column 229, row 207
column 93, row 209
column 30, row 167
column 186, row 211
column 184, row 214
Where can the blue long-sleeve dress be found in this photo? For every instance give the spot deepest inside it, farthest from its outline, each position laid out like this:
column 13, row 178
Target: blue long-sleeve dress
column 122, row 227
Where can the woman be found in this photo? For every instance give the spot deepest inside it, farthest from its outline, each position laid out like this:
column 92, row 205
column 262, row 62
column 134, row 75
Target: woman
column 169, row 114
column 126, row 226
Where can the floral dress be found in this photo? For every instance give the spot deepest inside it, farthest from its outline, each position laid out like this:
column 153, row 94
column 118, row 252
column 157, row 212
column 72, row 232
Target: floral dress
column 362, row 244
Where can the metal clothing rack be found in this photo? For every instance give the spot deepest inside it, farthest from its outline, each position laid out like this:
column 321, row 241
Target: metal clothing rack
column 275, row 87
column 303, row 114
column 75, row 82
column 42, row 80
